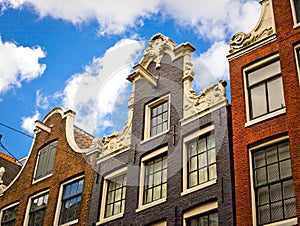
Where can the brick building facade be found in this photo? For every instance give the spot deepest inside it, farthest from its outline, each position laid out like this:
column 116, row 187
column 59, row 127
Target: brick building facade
column 171, row 164
column 55, row 183
column 264, row 77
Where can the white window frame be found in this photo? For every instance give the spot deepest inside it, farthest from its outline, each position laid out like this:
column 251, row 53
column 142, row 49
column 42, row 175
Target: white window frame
column 147, row 120
column 288, row 222
column 199, row 210
column 297, row 58
column 7, row 207
column 160, row 223
column 107, row 178
column 294, row 14
column 186, row 140
column 153, row 154
column 59, row 202
column 27, row 214
column 37, row 163
column 250, row 121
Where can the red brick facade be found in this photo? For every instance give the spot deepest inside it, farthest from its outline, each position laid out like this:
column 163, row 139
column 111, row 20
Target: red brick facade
column 67, row 165
column 244, row 136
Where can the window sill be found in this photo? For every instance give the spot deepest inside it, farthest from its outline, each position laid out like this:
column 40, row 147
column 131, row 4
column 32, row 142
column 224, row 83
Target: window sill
column 296, row 25
column 288, row 222
column 70, row 223
column 102, row 221
column 198, row 187
column 265, row 117
column 146, row 206
column 155, row 136
column 42, row 178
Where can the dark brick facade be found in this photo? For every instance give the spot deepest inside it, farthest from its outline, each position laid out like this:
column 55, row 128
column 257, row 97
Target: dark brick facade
column 170, row 83
column 11, row 168
column 245, row 137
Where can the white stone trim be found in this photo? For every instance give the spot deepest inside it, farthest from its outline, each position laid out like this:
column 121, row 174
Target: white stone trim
column 151, row 155
column 199, row 210
column 26, row 219
column 110, row 176
column 42, row 126
column 59, row 202
column 7, row 207
column 249, row 121
column 148, row 116
column 186, row 139
column 251, row 150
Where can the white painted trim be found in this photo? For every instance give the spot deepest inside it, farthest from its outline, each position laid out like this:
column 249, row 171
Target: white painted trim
column 246, row 94
column 59, row 202
column 289, row 222
column 104, row 195
column 251, row 150
column 26, row 218
column 296, row 24
column 186, row 139
column 297, row 58
column 148, row 116
column 151, row 155
column 7, row 207
column 199, row 210
column 42, row 126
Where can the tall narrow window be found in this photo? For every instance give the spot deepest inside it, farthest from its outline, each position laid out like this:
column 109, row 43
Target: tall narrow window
column 156, row 117
column 273, row 184
column 210, row 219
column 9, row 216
column 38, row 210
column 45, row 161
column 71, row 201
column 265, row 89
column 296, row 10
column 116, row 191
column 201, row 160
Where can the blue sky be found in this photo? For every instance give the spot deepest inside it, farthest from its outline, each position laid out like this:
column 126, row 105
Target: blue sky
column 77, row 54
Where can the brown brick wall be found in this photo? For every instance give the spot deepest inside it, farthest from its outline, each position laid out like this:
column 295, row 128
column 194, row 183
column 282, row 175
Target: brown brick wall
column 287, row 123
column 67, row 165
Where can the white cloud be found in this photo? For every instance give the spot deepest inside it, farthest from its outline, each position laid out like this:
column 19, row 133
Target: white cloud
column 95, row 93
column 19, row 64
column 28, row 123
column 211, row 66
column 214, row 19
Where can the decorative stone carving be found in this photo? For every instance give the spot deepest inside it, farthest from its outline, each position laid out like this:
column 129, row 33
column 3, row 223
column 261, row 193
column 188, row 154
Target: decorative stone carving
column 156, row 48
column 211, row 96
column 264, row 28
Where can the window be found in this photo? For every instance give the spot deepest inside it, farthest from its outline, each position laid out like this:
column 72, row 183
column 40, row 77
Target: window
column 153, row 189
column 296, row 10
column 157, row 117
column 265, row 89
column 210, row 219
column 38, row 210
column 199, row 160
column 204, row 215
column 45, row 161
column 297, row 53
column 273, row 184
column 113, row 196
column 71, row 201
column 8, row 217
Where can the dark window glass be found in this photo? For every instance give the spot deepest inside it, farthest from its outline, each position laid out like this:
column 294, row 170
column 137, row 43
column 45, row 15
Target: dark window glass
column 210, row 219
column 265, row 90
column 38, row 210
column 297, row 10
column 116, row 191
column 9, row 216
column 273, row 184
column 155, row 179
column 70, row 207
column 159, row 118
column 201, row 160
column 45, row 161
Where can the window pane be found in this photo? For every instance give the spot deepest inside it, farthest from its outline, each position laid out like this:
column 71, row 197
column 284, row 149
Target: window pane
column 212, row 172
column 193, row 179
column 259, row 159
column 263, row 214
column 263, row 73
column 285, row 168
column 276, row 211
column 290, row 208
column 258, row 101
column 262, row 196
column 273, row 172
column 275, row 94
column 297, row 9
column 288, row 189
column 284, row 151
column 203, row 175
column 275, row 192
column 260, row 176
